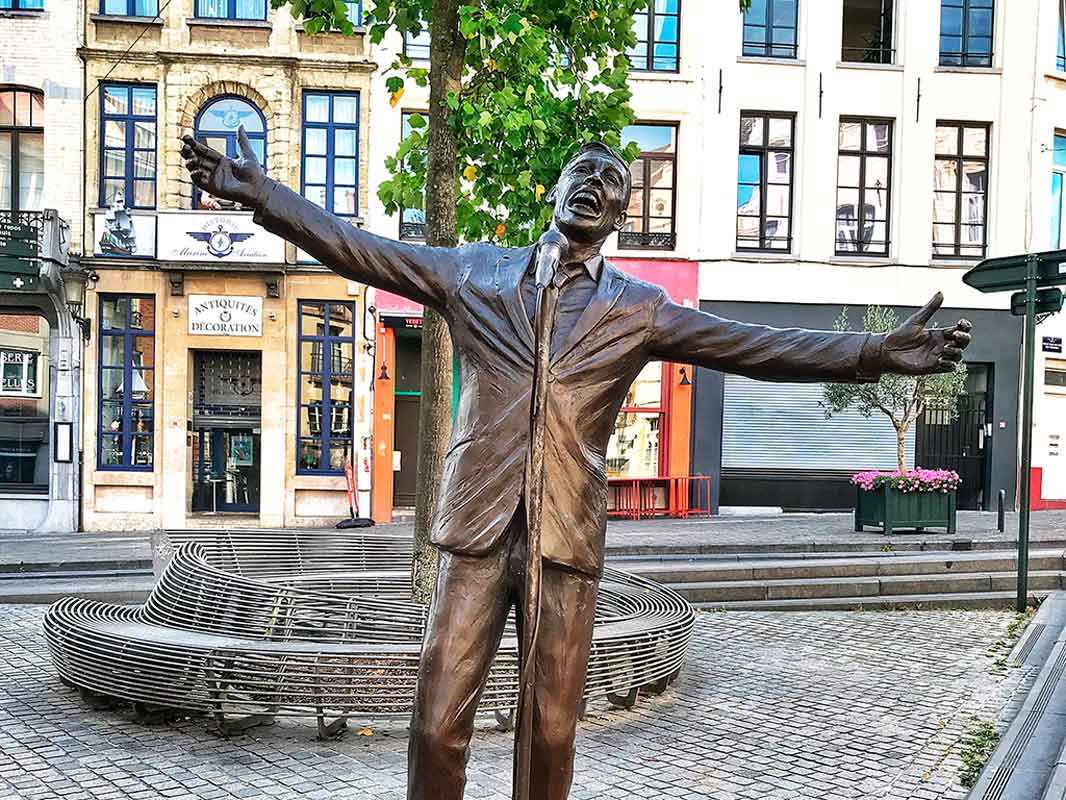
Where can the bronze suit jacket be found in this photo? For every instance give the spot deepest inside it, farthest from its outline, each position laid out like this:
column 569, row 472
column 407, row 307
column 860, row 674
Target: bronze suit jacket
column 627, row 323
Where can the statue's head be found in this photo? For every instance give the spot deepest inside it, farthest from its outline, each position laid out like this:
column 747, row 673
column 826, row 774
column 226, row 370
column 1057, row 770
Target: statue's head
column 591, row 196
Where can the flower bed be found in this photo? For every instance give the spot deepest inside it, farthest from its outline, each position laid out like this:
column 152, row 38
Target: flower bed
column 915, row 499
column 913, row 480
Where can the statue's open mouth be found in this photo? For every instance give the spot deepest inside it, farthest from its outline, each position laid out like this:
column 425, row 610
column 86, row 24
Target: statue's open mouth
column 585, row 204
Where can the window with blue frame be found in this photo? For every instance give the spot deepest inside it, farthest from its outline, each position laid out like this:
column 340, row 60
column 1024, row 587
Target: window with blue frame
column 126, row 377
column 23, row 5
column 325, row 386
column 1058, row 175
column 770, row 29
column 231, row 9
column 658, row 37
column 330, row 152
column 128, row 145
column 966, row 33
column 1060, row 56
column 217, row 125
column 130, row 8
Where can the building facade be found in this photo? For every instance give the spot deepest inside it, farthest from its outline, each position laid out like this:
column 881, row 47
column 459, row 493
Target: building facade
column 40, row 207
column 228, row 374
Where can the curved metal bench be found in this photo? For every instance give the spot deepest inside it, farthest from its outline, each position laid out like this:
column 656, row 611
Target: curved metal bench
column 251, row 625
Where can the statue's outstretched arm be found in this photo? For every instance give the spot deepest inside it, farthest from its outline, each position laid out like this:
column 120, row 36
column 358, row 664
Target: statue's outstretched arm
column 427, row 275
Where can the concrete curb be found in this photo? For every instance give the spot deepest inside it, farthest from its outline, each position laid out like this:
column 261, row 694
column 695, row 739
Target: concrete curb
column 1028, row 762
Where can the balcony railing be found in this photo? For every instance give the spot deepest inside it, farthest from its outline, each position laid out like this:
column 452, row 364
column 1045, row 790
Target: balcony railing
column 646, row 240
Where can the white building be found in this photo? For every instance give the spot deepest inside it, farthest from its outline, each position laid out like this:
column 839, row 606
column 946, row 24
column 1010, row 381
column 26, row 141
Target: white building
column 41, row 99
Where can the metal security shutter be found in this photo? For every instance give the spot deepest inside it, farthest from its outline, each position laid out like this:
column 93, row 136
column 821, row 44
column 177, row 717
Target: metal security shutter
column 782, row 426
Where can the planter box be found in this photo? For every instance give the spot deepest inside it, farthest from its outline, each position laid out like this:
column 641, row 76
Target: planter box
column 890, row 510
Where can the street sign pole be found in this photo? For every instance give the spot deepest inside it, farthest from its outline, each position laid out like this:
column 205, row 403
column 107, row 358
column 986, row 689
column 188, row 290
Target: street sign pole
column 1031, row 274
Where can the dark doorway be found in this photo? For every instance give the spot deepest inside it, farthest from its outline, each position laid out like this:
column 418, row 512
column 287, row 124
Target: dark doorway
column 226, row 460
column 963, row 444
column 406, row 416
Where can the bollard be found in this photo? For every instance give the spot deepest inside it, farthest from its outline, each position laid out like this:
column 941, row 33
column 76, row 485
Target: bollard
column 1002, row 509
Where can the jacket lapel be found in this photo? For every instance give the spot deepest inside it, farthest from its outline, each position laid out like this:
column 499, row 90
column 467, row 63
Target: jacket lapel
column 607, row 292
column 509, row 271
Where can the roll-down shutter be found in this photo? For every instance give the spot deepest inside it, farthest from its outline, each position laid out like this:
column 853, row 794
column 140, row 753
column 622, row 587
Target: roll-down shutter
column 783, row 426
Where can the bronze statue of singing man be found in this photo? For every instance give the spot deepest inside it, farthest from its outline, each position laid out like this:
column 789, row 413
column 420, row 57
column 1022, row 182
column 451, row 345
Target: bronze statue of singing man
column 605, row 327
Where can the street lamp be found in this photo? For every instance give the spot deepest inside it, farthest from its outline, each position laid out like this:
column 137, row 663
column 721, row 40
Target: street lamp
column 74, row 286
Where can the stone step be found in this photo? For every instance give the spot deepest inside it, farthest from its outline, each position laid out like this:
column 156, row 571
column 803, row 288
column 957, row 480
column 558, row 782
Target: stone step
column 709, row 570
column 712, row 592
column 881, row 603
column 122, row 589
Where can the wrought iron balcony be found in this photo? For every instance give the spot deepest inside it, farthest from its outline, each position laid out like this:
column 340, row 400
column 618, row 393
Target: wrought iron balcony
column 646, row 240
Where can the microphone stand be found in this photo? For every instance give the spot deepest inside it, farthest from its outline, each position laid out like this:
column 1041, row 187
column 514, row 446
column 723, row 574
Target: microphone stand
column 548, row 258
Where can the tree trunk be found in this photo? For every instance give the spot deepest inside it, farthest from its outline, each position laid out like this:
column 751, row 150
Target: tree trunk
column 447, row 53
column 901, row 447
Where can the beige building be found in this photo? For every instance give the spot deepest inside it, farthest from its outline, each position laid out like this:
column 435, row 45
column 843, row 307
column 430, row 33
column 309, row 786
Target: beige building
column 228, row 374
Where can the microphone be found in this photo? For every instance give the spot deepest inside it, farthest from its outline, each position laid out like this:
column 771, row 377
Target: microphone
column 550, row 250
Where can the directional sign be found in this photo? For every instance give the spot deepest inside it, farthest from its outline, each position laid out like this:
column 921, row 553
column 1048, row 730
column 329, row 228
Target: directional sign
column 1048, row 301
column 20, row 265
column 17, row 238
column 17, row 282
column 1004, row 274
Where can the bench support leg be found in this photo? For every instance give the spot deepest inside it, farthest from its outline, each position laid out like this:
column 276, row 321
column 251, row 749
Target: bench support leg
column 330, row 730
column 505, row 720
column 625, row 701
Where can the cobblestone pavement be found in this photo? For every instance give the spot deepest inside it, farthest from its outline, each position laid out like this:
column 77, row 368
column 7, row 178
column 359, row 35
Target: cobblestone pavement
column 801, row 706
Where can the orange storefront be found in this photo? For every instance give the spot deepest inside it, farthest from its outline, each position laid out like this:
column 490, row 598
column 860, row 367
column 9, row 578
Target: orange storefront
column 649, row 454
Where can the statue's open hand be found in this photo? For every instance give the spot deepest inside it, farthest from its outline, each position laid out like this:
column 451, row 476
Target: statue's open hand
column 239, row 180
column 913, row 349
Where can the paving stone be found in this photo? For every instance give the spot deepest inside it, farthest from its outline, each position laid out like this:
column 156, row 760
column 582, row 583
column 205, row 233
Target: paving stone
column 769, row 706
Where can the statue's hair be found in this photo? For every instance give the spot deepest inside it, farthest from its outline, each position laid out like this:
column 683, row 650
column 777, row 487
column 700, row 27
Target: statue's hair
column 599, row 148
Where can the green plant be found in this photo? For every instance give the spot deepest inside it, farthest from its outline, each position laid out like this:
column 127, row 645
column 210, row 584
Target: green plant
column 900, row 398
column 977, row 745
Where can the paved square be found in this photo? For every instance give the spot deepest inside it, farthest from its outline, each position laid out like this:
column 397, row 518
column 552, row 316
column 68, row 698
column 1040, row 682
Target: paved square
column 771, row 706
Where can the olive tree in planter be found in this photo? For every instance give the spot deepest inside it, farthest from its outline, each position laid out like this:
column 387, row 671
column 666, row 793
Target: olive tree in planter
column 915, row 498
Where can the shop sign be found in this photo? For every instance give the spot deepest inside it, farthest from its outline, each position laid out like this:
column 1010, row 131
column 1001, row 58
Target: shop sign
column 119, row 234
column 222, row 315
column 1052, row 344
column 213, row 237
column 402, row 323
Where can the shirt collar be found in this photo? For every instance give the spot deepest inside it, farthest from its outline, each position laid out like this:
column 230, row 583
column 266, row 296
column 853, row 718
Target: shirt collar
column 593, row 266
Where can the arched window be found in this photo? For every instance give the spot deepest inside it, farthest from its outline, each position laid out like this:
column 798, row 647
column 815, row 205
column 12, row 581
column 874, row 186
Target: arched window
column 217, row 125
column 21, row 149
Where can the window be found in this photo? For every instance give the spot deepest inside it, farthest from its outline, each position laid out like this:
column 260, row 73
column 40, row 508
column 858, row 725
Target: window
column 416, row 45
column 231, row 9
column 127, row 146
column 1055, row 377
column 1058, row 174
column 413, row 220
column 635, row 448
column 864, row 184
column 868, row 32
column 764, row 181
column 651, row 203
column 331, row 151
column 966, row 33
column 217, row 125
column 21, row 149
column 25, row 430
column 126, row 380
column 960, row 190
column 18, row 373
column 1060, row 57
column 770, row 29
column 325, row 386
column 23, row 5
column 130, row 8
column 658, row 36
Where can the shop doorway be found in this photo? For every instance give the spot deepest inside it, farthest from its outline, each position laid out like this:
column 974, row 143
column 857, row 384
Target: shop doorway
column 407, row 409
column 965, row 443
column 226, row 453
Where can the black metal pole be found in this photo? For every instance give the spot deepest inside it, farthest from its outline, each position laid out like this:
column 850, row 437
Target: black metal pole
column 1002, row 520
column 1031, row 268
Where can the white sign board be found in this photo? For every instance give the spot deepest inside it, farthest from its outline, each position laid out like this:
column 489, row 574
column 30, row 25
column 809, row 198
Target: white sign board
column 223, row 315
column 209, row 236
